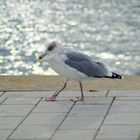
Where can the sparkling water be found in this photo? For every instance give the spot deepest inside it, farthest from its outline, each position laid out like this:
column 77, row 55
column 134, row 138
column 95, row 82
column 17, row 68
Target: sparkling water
column 107, row 30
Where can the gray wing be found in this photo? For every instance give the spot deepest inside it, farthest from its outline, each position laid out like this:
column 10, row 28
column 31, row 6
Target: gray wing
column 86, row 65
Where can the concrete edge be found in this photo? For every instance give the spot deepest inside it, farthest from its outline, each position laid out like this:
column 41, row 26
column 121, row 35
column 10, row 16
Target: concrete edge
column 45, row 82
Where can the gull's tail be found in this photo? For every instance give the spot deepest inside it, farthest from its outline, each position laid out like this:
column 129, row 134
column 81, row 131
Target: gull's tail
column 115, row 76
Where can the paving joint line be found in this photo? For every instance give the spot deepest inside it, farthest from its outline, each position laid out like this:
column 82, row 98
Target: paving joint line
column 24, row 118
column 62, row 121
column 104, row 119
column 3, row 92
column 4, row 99
column 107, row 93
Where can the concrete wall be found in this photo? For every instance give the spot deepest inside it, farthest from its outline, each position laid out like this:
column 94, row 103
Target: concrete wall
column 44, row 82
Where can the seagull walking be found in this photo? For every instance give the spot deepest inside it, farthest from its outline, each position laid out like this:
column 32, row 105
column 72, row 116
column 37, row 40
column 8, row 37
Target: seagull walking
column 73, row 65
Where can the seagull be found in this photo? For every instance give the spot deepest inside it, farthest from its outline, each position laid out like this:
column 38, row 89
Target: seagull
column 75, row 66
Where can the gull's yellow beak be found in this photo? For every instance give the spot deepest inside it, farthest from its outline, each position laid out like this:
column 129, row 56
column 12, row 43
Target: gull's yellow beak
column 40, row 57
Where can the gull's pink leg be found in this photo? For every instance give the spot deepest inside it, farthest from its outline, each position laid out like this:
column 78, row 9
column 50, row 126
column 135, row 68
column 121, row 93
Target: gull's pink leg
column 53, row 97
column 82, row 94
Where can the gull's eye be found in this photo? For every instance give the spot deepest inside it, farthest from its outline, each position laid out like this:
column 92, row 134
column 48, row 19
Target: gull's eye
column 50, row 48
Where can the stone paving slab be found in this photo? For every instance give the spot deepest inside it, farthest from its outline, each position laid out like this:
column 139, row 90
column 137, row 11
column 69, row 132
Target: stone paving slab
column 81, row 123
column 63, row 94
column 9, row 122
column 88, row 110
column 74, row 135
column 57, row 106
column 125, row 106
column 123, row 118
column 86, row 93
column 30, row 132
column 15, row 110
column 21, row 101
column 119, row 132
column 130, row 98
column 101, row 116
column 4, row 134
column 124, row 93
column 29, row 94
column 45, row 118
column 95, row 100
column 116, row 139
column 85, row 117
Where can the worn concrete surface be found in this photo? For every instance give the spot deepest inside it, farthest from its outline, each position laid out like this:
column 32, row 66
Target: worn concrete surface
column 42, row 82
column 110, row 111
column 103, row 115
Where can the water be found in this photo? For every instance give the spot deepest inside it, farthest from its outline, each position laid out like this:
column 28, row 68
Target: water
column 107, row 30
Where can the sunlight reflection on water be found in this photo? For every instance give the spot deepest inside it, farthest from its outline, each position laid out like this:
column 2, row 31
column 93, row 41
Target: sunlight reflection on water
column 106, row 30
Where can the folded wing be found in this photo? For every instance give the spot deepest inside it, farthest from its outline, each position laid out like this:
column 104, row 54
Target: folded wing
column 86, row 65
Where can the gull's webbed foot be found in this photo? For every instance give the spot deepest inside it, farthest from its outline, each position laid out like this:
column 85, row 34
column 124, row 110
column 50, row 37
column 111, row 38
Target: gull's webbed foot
column 50, row 98
column 78, row 99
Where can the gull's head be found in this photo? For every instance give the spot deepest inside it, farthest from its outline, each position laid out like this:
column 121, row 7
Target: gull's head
column 51, row 51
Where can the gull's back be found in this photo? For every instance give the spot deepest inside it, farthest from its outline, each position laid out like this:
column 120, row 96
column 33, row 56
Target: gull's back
column 86, row 64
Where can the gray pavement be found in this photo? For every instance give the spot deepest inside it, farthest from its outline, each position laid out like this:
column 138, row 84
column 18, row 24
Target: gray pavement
column 103, row 115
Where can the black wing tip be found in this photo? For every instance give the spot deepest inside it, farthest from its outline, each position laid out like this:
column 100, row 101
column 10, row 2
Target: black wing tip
column 116, row 76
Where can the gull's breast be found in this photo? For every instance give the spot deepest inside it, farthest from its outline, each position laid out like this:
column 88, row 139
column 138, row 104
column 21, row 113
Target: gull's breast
column 58, row 65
